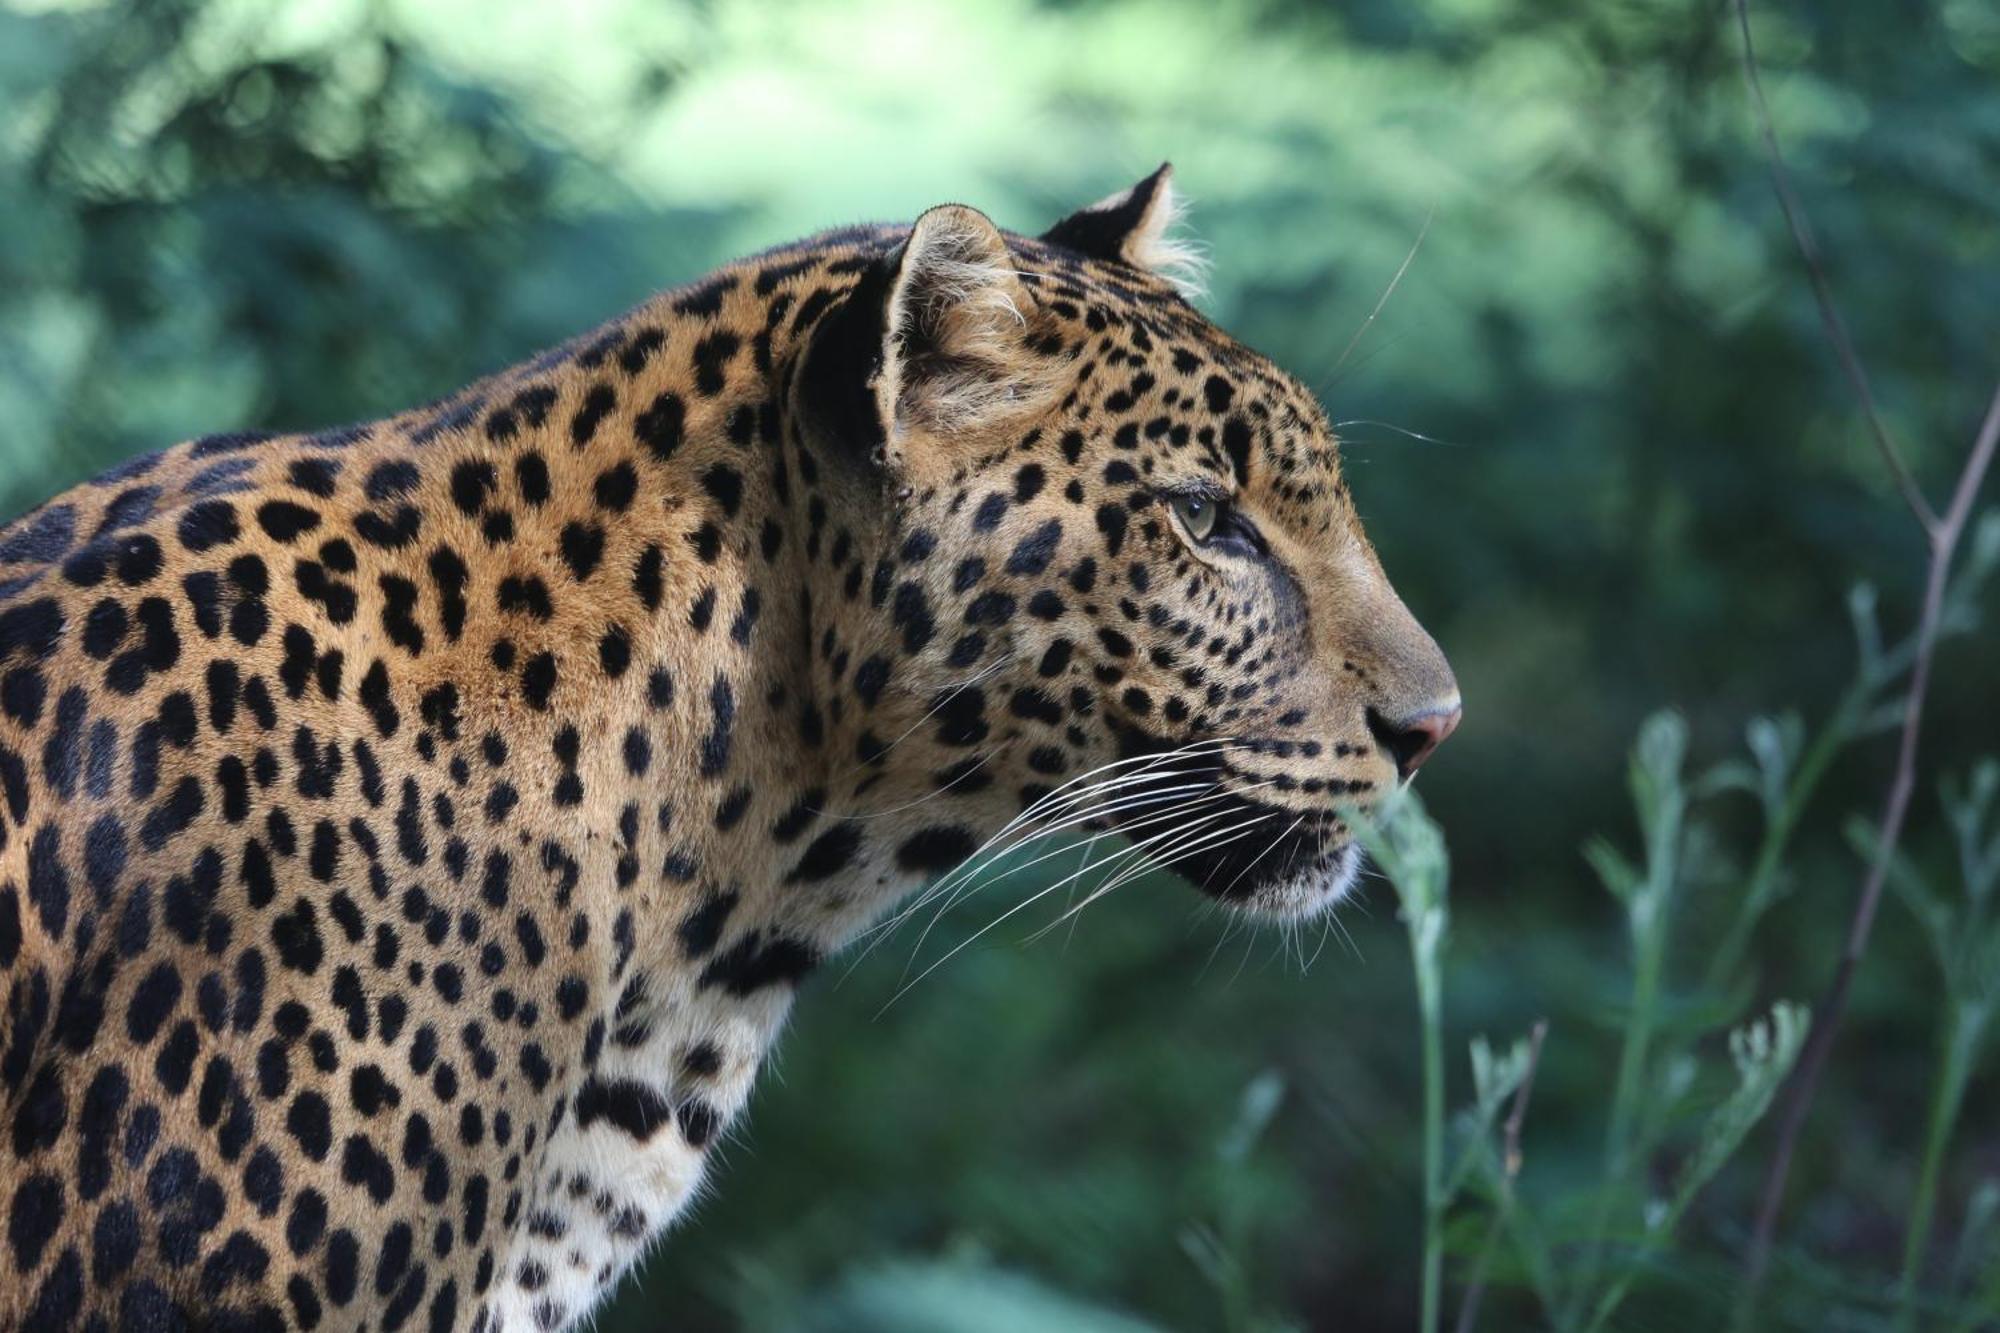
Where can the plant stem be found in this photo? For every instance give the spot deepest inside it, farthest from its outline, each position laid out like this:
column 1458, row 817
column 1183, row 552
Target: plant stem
column 1510, row 1168
column 1648, row 915
column 1429, row 1007
column 1761, row 886
column 1964, row 1027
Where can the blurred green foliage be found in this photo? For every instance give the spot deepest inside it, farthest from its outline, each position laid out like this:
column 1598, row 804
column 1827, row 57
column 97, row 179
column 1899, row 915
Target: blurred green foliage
column 1595, row 432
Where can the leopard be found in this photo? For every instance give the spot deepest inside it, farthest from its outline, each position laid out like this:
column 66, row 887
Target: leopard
column 413, row 834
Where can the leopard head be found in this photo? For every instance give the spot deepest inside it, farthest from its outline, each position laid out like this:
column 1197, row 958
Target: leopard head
column 1127, row 586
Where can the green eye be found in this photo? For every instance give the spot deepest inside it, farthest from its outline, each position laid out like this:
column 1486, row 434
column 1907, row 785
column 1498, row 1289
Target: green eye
column 1197, row 514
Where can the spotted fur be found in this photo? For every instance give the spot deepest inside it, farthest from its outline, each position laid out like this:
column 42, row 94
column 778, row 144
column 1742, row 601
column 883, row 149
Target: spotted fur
column 412, row 834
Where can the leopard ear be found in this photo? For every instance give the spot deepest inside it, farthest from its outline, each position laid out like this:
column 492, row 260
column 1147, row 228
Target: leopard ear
column 955, row 354
column 1134, row 227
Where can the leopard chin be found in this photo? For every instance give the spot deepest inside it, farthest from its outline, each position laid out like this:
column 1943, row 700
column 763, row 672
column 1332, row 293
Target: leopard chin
column 1311, row 892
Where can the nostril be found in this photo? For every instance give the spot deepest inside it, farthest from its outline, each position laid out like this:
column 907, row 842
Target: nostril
column 1411, row 740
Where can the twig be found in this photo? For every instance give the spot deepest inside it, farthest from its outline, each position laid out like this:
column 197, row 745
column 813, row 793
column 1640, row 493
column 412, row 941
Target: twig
column 1510, row 1168
column 1943, row 535
column 1829, row 314
column 1944, row 545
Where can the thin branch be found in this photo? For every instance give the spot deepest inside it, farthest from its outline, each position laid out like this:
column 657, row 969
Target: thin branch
column 1510, row 1168
column 1829, row 314
column 1943, row 534
column 1826, row 1020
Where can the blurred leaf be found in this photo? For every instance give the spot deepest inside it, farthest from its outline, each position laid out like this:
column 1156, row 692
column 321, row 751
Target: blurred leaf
column 937, row 1298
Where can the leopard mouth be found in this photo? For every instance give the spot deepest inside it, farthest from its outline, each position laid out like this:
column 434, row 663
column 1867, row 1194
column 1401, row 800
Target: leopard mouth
column 1192, row 813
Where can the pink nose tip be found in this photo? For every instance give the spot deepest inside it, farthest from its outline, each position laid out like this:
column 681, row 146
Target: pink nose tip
column 1411, row 740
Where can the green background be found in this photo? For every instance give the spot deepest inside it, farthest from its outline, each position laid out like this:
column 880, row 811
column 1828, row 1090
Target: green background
column 1596, row 435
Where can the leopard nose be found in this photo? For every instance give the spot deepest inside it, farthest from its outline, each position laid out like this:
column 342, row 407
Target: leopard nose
column 1410, row 740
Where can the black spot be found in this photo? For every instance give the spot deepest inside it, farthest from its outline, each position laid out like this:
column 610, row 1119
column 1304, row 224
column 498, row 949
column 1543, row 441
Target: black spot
column 1111, row 520
column 104, row 856
column 912, row 614
column 660, row 426
column 1032, row 554
column 754, row 963
column 961, row 717
column 614, row 651
column 314, row 476
column 715, row 745
column 528, row 595
column 936, row 849
column 745, row 623
column 870, row 677
column 531, row 474
column 34, row 628
column 701, row 930
column 597, row 404
column 627, row 1104
column 114, row 1241
column 990, row 608
column 827, row 855
column 616, row 486
column 991, row 510
column 706, row 541
column 309, row 1120
column 399, row 599
column 207, row 525
column 343, row 1262
column 697, row 1121
column 41, row 538
column 711, row 360
column 132, row 506
column 361, row 1164
column 471, row 482
column 60, row 1295
column 582, row 548
column 638, row 752
column 450, row 575
column 284, row 521
column 538, row 680
column 32, row 1220
column 725, row 484
column 705, row 297
column 296, row 935
column 635, row 354
column 646, row 577
column 178, row 809
column 389, row 534
column 730, row 810
column 1235, row 442
column 104, row 629
column 374, row 696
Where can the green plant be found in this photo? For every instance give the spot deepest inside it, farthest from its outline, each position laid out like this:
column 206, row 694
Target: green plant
column 1410, row 849
column 1786, row 765
column 1965, row 942
column 1221, row 1249
column 1649, row 1095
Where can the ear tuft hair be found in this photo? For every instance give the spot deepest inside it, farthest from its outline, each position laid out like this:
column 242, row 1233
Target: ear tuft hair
column 1140, row 227
column 955, row 356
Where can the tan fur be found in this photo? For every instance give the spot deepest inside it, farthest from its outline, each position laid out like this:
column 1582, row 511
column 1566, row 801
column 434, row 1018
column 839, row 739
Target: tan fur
column 412, row 837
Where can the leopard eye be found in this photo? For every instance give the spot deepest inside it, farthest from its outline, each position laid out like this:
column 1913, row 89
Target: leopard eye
column 1198, row 514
